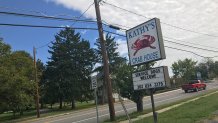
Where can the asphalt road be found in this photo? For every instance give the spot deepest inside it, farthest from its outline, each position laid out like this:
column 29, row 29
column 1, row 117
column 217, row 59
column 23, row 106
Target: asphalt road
column 89, row 115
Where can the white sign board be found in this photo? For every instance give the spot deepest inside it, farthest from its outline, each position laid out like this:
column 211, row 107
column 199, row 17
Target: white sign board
column 198, row 75
column 153, row 78
column 145, row 42
column 94, row 82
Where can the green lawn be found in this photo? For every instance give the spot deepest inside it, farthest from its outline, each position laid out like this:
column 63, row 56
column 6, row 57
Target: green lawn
column 188, row 113
column 31, row 114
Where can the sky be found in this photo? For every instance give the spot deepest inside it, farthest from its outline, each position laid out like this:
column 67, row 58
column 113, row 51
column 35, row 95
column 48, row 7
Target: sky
column 188, row 22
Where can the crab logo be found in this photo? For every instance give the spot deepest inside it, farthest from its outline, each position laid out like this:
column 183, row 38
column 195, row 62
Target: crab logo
column 145, row 42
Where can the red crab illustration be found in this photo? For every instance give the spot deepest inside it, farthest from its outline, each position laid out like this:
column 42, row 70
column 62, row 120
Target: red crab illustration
column 146, row 41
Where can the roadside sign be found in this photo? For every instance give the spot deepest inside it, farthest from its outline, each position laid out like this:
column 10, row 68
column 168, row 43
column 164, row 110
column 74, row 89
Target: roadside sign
column 94, row 82
column 152, row 78
column 145, row 42
column 95, row 87
column 198, row 75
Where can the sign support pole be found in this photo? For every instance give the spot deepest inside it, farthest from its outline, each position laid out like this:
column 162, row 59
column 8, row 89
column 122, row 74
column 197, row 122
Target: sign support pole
column 153, row 106
column 96, row 103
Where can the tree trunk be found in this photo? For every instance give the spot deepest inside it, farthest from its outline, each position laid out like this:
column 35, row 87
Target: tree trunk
column 42, row 105
column 51, row 105
column 73, row 105
column 21, row 112
column 61, row 102
column 13, row 114
column 139, row 104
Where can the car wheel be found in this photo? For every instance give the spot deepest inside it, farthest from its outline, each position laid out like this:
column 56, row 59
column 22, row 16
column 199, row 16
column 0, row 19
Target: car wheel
column 204, row 88
column 186, row 91
column 196, row 89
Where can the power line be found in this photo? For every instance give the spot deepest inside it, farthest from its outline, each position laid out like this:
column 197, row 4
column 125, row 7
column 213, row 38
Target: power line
column 114, row 33
column 46, row 17
column 40, row 26
column 191, row 42
column 33, row 11
column 190, row 46
column 161, row 21
column 51, row 17
column 83, row 13
column 55, row 27
column 170, row 38
column 116, row 25
column 187, row 51
column 44, row 45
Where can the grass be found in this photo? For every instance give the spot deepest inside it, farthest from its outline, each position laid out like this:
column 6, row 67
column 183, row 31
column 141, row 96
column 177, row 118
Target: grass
column 31, row 114
column 136, row 114
column 188, row 113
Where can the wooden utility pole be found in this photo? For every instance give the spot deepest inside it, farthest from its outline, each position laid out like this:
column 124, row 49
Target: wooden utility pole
column 105, row 61
column 36, row 83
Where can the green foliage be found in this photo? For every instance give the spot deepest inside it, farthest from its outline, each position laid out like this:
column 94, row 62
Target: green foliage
column 5, row 49
column 16, row 85
column 184, row 68
column 215, row 68
column 69, row 68
column 191, row 112
column 125, row 84
column 114, row 58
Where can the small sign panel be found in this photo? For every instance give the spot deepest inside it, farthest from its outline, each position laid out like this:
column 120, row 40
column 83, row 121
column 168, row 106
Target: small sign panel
column 94, row 82
column 153, row 78
column 145, row 43
column 199, row 75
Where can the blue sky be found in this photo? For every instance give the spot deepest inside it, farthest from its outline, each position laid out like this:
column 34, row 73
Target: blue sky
column 189, row 15
column 23, row 38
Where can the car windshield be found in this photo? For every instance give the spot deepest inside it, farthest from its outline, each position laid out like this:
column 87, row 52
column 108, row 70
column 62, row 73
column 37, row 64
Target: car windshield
column 193, row 82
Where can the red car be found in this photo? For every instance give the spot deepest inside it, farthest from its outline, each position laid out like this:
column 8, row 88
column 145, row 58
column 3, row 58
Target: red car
column 194, row 85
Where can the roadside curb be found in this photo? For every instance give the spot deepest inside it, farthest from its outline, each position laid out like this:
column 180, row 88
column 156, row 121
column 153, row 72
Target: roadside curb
column 167, row 108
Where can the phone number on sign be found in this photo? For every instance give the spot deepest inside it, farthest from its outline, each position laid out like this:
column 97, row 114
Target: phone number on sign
column 151, row 85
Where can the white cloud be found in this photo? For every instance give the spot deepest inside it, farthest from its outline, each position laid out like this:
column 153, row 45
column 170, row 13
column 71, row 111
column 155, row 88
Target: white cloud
column 199, row 16
column 122, row 47
column 121, row 32
column 65, row 26
column 83, row 32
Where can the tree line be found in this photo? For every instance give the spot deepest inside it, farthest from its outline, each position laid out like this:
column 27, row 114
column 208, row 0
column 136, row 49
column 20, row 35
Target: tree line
column 188, row 69
column 66, row 75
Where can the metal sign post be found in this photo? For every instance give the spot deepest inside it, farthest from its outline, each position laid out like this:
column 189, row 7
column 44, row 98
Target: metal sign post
column 145, row 45
column 95, row 86
column 153, row 106
column 96, row 103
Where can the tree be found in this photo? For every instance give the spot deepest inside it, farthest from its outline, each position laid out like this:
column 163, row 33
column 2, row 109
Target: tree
column 207, row 68
column 125, row 84
column 114, row 58
column 184, row 69
column 215, row 68
column 5, row 49
column 202, row 68
column 16, row 85
column 41, row 79
column 70, row 66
